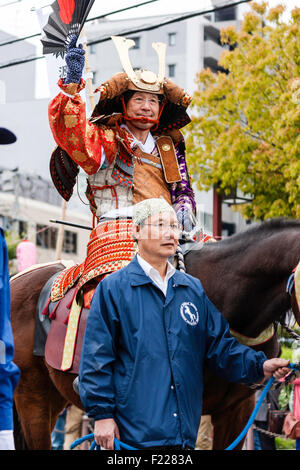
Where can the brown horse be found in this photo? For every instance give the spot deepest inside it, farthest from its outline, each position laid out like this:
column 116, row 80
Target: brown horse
column 245, row 276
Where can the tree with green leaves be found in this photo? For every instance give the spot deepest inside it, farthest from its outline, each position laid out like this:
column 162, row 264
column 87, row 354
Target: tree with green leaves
column 245, row 130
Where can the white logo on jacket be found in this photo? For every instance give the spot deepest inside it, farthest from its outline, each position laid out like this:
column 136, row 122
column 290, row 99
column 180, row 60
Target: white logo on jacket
column 189, row 313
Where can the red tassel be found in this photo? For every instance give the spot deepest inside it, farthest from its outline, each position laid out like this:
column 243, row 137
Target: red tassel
column 66, row 321
column 52, row 315
column 45, row 310
column 70, row 303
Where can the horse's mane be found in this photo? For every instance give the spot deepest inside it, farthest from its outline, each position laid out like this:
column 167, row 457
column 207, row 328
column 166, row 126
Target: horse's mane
column 267, row 228
column 255, row 233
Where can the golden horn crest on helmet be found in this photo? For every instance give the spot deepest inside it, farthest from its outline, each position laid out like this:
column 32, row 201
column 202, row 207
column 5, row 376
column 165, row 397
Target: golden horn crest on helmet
column 142, row 79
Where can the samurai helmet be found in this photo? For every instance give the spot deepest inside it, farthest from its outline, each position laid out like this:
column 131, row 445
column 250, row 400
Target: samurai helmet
column 142, row 80
column 175, row 100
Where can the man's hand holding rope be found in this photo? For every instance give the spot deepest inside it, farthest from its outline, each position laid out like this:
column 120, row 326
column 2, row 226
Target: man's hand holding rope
column 276, row 367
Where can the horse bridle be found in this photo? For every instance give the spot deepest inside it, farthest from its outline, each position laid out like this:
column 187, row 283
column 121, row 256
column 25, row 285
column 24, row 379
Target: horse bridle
column 290, row 286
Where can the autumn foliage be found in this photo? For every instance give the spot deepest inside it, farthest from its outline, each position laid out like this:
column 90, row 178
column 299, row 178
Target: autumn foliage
column 245, row 130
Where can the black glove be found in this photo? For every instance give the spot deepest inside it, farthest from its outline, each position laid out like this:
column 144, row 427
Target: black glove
column 74, row 61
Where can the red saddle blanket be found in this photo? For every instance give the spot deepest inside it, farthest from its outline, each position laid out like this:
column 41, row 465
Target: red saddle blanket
column 56, row 337
column 110, row 248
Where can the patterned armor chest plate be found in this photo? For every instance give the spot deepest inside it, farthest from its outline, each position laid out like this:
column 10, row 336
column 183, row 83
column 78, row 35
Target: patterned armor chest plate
column 127, row 181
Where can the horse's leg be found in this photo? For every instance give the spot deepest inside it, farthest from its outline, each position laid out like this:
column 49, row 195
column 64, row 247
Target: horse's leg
column 38, row 405
column 230, row 422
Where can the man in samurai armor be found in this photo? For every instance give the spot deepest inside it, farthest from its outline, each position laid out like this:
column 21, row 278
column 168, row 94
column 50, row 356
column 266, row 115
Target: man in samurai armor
column 131, row 149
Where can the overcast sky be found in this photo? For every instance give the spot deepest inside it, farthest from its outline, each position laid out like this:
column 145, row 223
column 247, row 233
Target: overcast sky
column 19, row 18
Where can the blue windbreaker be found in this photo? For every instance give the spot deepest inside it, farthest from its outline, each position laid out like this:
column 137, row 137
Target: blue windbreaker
column 143, row 355
column 9, row 372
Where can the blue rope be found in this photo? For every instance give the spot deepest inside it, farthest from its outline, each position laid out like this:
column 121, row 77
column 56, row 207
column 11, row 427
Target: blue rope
column 119, row 444
column 255, row 411
column 81, row 440
column 253, row 415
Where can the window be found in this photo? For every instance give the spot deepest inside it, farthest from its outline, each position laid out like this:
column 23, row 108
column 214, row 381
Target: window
column 46, row 236
column 23, row 229
column 70, row 242
column 212, row 34
column 94, row 78
column 226, row 14
column 93, row 48
column 228, row 229
column 172, row 39
column 208, row 222
column 171, row 70
column 137, row 41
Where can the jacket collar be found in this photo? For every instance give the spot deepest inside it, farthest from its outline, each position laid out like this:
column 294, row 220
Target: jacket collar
column 138, row 276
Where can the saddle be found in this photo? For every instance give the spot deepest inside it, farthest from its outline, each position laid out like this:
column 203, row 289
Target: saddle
column 64, row 340
column 52, row 325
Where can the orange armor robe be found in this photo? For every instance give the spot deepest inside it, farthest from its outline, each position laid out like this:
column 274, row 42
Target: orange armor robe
column 122, row 181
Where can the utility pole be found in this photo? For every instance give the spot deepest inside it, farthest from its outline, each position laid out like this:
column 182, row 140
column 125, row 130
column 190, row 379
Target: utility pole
column 61, row 231
column 217, row 214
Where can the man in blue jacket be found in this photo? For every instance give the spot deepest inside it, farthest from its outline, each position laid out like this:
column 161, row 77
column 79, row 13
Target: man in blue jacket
column 149, row 332
column 9, row 372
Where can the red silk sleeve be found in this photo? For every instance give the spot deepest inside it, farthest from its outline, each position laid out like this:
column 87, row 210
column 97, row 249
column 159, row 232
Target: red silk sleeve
column 72, row 132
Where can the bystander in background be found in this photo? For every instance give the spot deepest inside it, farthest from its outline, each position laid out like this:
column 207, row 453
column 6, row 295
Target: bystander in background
column 9, row 372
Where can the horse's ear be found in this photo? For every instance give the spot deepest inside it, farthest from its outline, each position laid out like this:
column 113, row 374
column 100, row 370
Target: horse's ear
column 63, row 171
